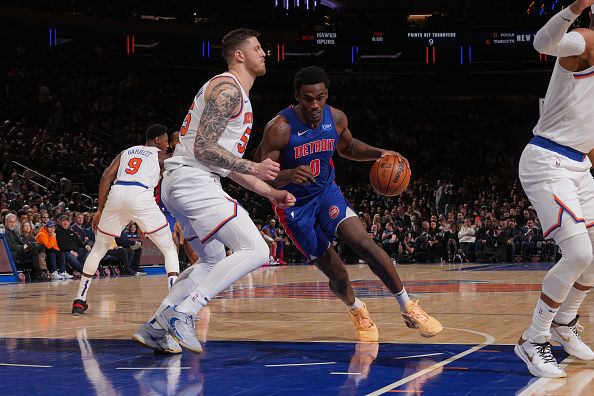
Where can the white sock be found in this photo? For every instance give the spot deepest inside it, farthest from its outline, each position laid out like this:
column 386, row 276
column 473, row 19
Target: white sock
column 540, row 328
column 83, row 288
column 357, row 304
column 568, row 310
column 193, row 303
column 402, row 298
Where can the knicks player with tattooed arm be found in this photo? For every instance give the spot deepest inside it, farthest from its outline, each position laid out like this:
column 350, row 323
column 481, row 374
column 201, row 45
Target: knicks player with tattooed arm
column 213, row 139
column 303, row 139
column 555, row 173
column 136, row 172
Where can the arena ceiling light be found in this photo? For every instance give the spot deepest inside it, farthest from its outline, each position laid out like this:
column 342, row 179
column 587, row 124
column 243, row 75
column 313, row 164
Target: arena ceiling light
column 157, row 18
column 418, row 18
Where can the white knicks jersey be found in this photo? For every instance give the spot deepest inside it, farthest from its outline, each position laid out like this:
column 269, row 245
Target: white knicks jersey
column 568, row 112
column 140, row 164
column 234, row 139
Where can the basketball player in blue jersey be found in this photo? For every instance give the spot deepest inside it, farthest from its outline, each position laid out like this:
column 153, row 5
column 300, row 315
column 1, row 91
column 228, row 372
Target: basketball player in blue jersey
column 302, row 139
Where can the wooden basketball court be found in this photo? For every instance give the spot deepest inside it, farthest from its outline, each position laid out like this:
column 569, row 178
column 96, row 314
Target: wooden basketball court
column 280, row 330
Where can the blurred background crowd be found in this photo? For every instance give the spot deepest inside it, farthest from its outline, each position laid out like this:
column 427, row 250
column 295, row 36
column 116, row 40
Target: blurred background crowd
column 68, row 108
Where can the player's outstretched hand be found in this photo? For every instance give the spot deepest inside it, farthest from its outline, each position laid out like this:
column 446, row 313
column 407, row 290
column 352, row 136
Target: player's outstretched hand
column 95, row 222
column 302, row 175
column 281, row 199
column 266, row 170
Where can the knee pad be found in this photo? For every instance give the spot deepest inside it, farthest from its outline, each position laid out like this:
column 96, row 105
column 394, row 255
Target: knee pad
column 587, row 277
column 577, row 257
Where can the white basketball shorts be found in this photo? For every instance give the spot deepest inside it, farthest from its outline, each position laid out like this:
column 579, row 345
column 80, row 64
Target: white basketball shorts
column 131, row 202
column 198, row 202
column 560, row 189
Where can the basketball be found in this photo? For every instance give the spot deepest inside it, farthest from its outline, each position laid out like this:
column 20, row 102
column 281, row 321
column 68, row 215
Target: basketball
column 390, row 175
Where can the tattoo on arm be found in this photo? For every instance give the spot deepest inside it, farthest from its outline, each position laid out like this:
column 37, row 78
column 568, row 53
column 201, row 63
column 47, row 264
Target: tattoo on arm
column 337, row 115
column 224, row 99
column 354, row 146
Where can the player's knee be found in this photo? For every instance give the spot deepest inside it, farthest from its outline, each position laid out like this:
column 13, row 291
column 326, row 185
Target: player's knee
column 577, row 253
column 581, row 258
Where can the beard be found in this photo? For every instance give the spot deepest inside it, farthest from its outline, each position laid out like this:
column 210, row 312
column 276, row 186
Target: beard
column 257, row 68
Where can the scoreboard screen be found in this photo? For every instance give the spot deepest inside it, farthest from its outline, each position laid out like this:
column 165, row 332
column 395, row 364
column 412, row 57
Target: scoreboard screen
column 428, row 39
column 504, row 38
column 320, row 39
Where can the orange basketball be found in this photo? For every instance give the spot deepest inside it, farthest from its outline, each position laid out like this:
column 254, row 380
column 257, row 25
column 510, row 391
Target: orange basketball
column 390, row 175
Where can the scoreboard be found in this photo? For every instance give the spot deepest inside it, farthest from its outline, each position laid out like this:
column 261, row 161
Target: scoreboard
column 503, row 38
column 321, row 39
column 428, row 38
column 455, row 46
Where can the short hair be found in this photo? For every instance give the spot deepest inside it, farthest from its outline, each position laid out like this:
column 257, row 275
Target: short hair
column 155, row 130
column 310, row 75
column 9, row 216
column 234, row 39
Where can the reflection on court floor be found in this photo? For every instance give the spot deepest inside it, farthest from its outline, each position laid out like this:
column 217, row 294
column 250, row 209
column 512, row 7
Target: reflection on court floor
column 119, row 367
column 373, row 288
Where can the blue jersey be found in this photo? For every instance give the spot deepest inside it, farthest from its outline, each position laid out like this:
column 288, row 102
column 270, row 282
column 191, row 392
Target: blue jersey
column 313, row 147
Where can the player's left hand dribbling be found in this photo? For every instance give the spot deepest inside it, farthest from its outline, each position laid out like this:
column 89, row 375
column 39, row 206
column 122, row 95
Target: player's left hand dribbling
column 391, row 152
column 282, row 199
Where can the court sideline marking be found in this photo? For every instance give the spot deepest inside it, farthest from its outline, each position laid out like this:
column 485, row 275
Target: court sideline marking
column 297, row 364
column 24, row 365
column 489, row 339
column 152, row 368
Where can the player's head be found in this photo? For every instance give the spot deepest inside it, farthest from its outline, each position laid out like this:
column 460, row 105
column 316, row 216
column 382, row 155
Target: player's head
column 156, row 136
column 241, row 47
column 174, row 140
column 311, row 91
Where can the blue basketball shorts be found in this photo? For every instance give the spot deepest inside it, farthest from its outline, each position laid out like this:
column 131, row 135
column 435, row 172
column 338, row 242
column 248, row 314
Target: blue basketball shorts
column 312, row 225
column 170, row 219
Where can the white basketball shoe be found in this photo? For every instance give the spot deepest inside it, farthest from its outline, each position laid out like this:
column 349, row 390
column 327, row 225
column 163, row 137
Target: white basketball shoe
column 538, row 357
column 568, row 336
column 156, row 339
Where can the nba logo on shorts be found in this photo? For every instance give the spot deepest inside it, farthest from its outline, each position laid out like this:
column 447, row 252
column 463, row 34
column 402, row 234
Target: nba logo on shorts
column 333, row 212
column 558, row 162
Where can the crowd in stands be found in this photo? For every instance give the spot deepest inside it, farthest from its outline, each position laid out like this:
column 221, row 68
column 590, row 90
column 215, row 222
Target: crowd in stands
column 464, row 202
column 51, row 242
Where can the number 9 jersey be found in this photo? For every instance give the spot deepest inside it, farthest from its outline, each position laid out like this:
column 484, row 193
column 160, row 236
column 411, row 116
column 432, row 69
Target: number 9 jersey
column 140, row 164
column 234, row 139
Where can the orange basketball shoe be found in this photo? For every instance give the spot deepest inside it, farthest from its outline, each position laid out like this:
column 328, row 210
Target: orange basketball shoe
column 416, row 318
column 365, row 329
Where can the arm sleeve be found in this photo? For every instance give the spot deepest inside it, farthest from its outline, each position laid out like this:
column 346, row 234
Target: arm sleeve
column 553, row 39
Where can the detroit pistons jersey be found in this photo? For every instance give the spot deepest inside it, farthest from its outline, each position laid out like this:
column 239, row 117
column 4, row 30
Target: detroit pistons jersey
column 140, row 164
column 234, row 139
column 568, row 113
column 312, row 147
